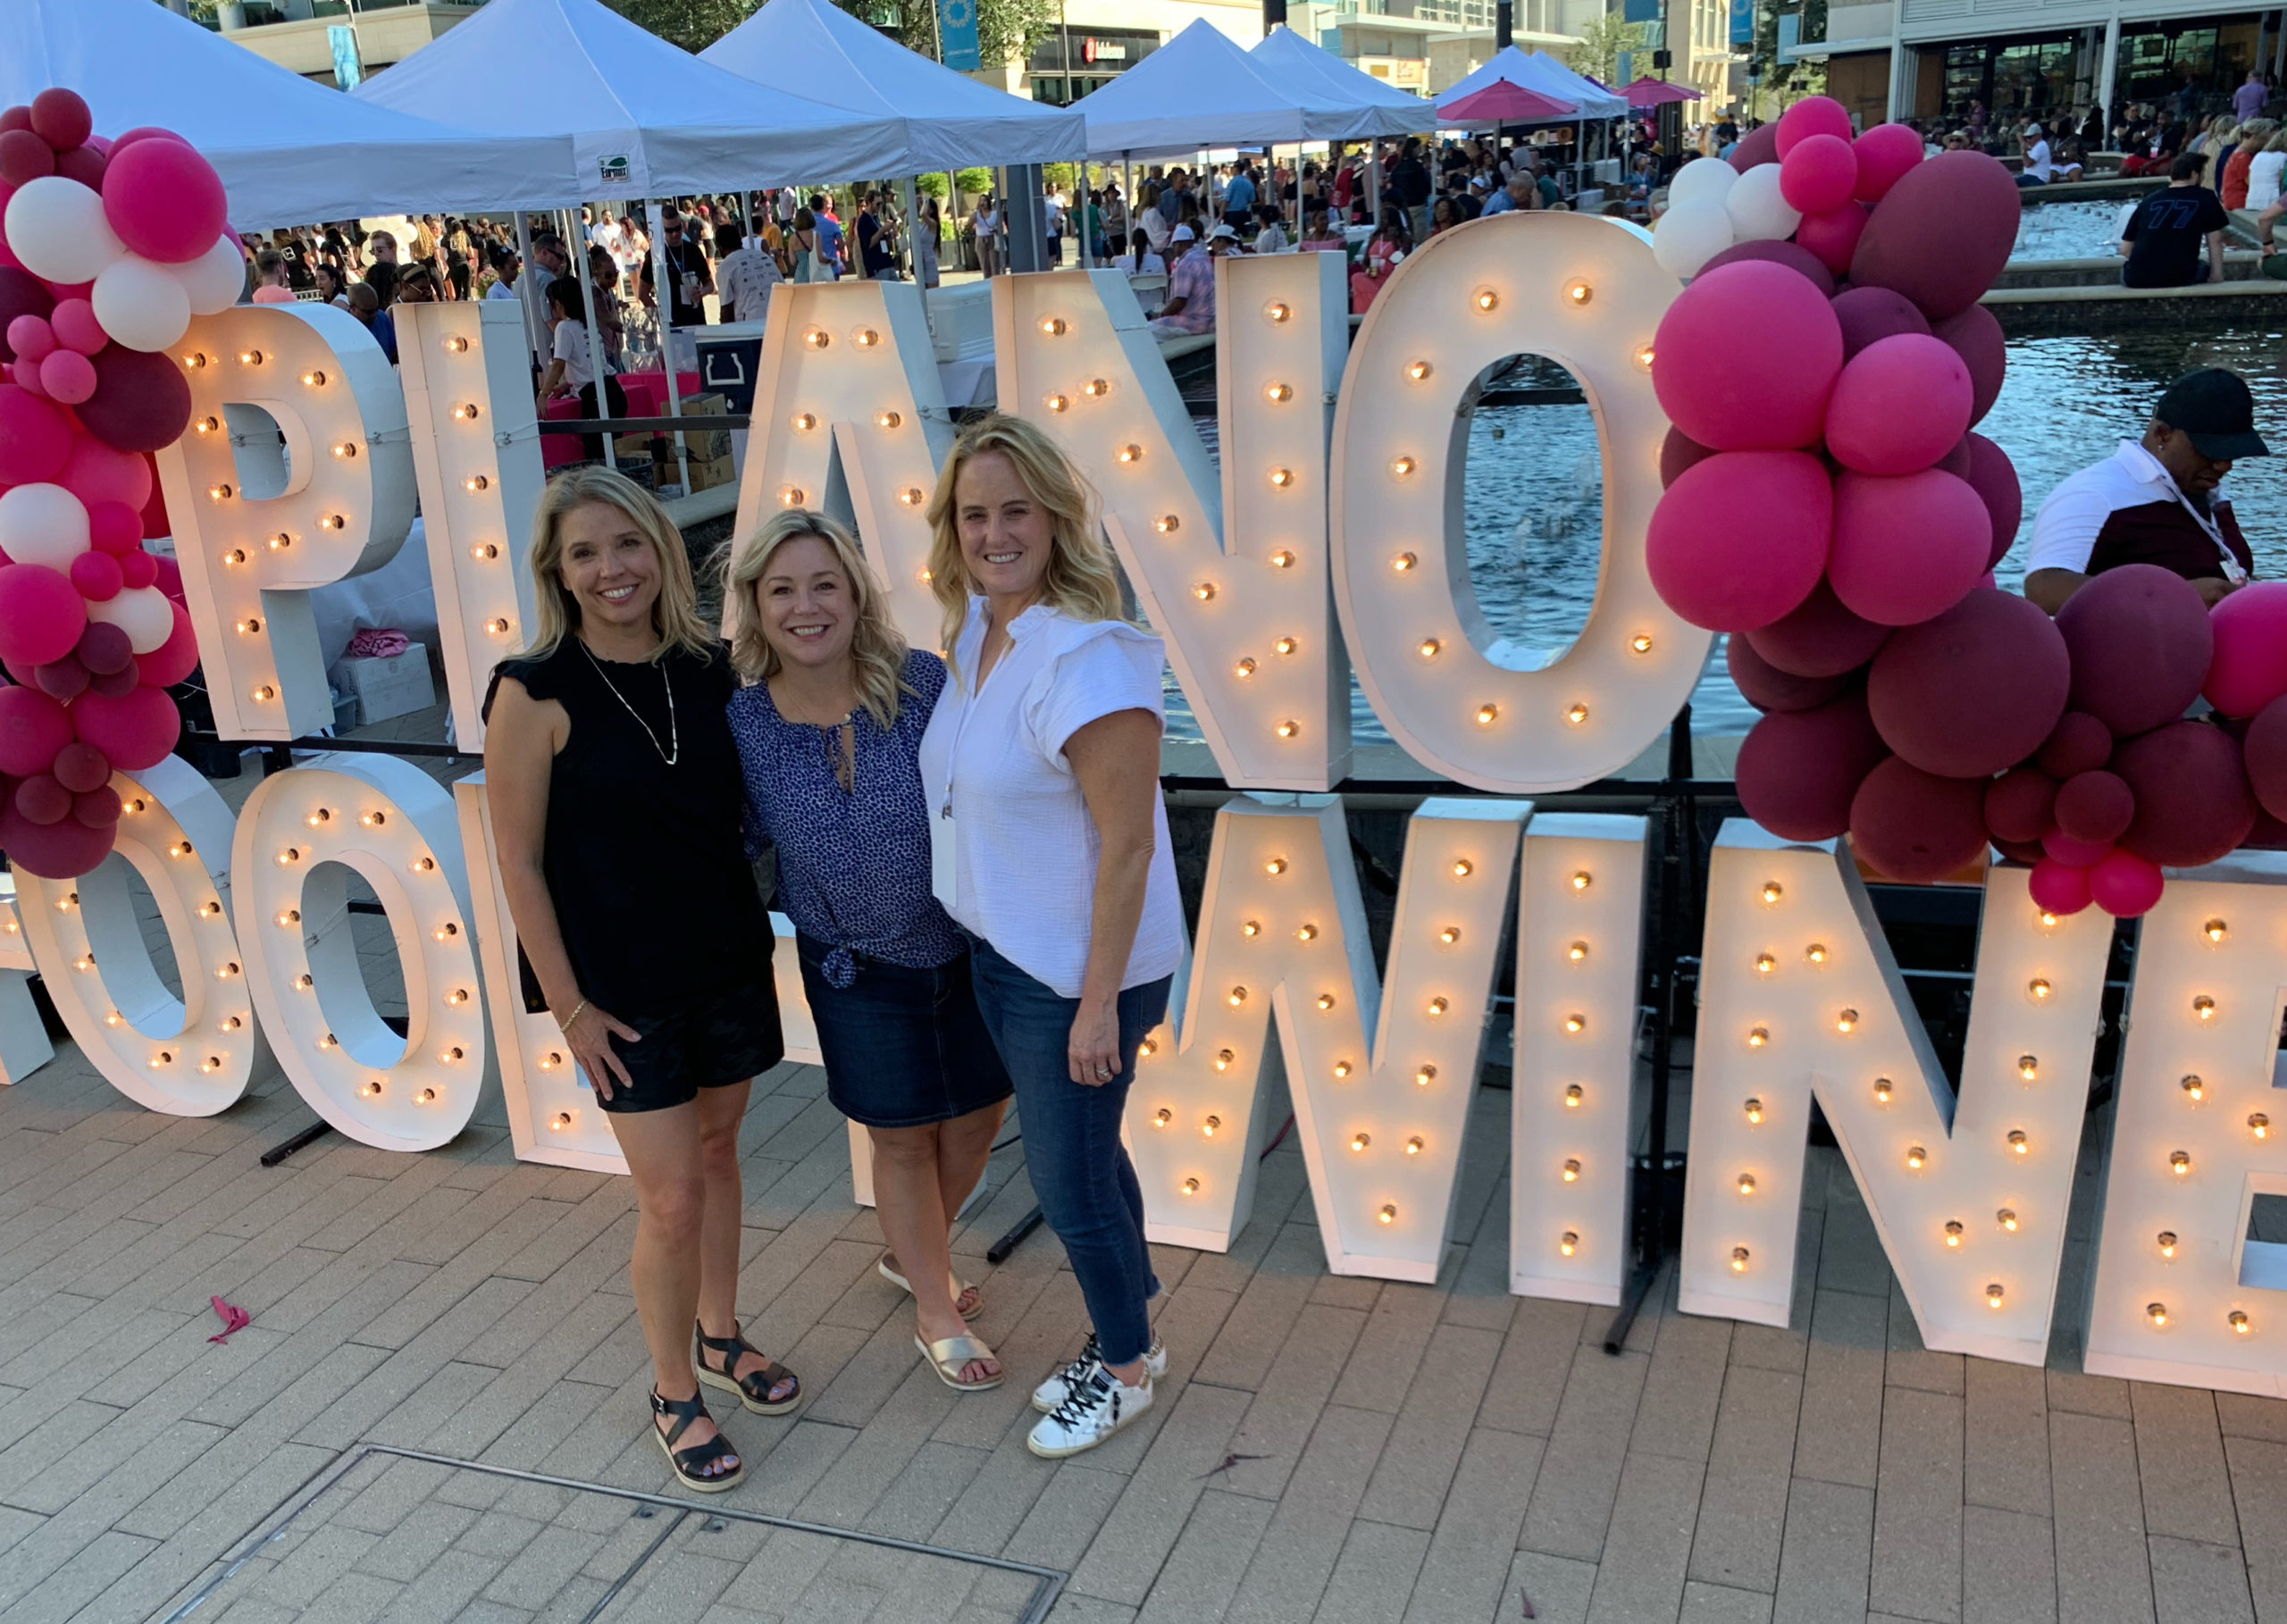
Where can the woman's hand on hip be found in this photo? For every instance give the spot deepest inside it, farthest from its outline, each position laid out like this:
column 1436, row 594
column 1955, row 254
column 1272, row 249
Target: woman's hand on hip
column 1092, row 1054
column 589, row 1033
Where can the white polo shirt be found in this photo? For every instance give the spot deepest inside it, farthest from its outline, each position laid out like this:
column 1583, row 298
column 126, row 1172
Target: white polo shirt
column 1014, row 851
column 2127, row 510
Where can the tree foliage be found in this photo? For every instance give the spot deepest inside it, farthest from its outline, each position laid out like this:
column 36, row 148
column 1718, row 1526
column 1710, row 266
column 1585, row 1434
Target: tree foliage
column 1004, row 28
column 1601, row 43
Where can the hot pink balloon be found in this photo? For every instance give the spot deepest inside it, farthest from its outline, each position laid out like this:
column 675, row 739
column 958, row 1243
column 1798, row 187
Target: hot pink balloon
column 1812, row 116
column 1885, row 153
column 1818, row 173
column 76, row 327
column 1739, row 540
column 1906, row 548
column 114, row 527
column 172, row 660
column 67, row 377
column 2265, row 758
column 61, row 850
column 2249, row 668
column 1745, row 357
column 32, row 728
column 138, row 570
column 32, row 338
column 1833, row 237
column 95, row 576
column 137, row 731
column 35, row 437
column 97, row 474
column 2058, row 888
column 164, row 201
column 41, row 614
column 1898, row 405
column 2125, row 886
column 169, row 578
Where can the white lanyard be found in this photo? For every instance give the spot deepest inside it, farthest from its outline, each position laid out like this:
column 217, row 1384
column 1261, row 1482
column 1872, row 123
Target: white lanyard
column 2233, row 572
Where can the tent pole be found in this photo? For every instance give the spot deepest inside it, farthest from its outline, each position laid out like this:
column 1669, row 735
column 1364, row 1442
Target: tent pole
column 597, row 361
column 911, row 196
column 665, row 292
column 535, row 314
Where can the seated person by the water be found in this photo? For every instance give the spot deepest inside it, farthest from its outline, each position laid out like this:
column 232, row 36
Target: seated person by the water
column 2159, row 149
column 2163, row 238
column 2157, row 501
column 2040, row 165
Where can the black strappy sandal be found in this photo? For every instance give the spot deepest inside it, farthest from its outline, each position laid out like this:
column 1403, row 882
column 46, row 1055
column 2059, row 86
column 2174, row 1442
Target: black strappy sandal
column 754, row 1388
column 690, row 1464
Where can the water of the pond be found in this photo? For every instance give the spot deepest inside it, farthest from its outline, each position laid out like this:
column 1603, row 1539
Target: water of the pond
column 1535, row 485
column 2086, row 228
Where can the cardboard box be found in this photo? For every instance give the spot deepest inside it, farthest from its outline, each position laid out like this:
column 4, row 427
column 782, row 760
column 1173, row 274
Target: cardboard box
column 394, row 686
column 713, row 472
column 709, row 405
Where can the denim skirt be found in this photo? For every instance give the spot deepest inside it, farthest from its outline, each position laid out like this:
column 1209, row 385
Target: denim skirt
column 903, row 1047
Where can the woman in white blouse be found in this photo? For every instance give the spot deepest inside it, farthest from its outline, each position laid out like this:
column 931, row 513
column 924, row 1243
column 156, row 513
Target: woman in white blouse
column 1050, row 846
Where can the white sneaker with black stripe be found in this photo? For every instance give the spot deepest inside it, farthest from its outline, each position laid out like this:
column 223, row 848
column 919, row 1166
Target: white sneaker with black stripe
column 1052, row 1391
column 1097, row 1407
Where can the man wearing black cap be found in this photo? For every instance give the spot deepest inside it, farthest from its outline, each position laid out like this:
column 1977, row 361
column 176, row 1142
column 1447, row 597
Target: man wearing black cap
column 2157, row 501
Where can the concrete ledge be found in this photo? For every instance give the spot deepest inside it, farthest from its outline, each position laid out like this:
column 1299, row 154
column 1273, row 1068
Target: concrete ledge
column 2032, row 310
column 2113, row 186
column 2102, row 270
column 715, row 502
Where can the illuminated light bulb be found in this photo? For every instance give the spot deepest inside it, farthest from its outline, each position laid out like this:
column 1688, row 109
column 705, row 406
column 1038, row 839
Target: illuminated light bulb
column 1953, row 1232
column 467, row 412
column 280, row 543
column 313, row 380
column 1207, row 1128
column 2204, row 1007
column 1486, row 299
column 1238, row 996
column 329, row 1041
column 290, row 857
column 1388, row 1214
column 447, row 931
column 888, row 420
column 1308, row 933
column 2028, row 1067
column 1276, row 865
column 926, row 576
column 1847, row 1021
column 1190, row 1186
column 332, row 521
column 1425, row 1077
column 1418, row 370
column 449, row 1056
column 1764, row 964
column 1341, row 1069
column 560, row 1121
column 1404, row 562
column 166, row 1056
column 1568, row 1242
column 1284, row 645
column 805, row 422
column 1162, row 1117
column 1641, row 643
column 2048, row 920
column 1576, row 712
column 2007, row 1218
column 2038, row 989
column 1413, row 1145
column 1359, row 1142
column 2215, row 930
column 223, row 972
column 550, row 1060
column 1772, row 890
column 1402, row 466
column 230, row 1022
column 1278, row 394
column 1755, row 1111
column 459, row 995
column 2192, row 1086
column 457, row 346
column 302, row 984
column 1582, row 880
column 484, row 552
column 1643, row 357
column 1579, row 293
column 476, row 482
column 345, row 450
column 1057, row 403
column 1428, row 648
column 1252, row 927
column 208, row 425
column 372, row 1089
column 867, row 337
column 427, row 1096
column 1167, row 525
column 236, row 556
column 1571, row 1169
column 249, row 627
column 1439, row 1006
column 2157, row 1313
column 2166, row 1240
column 1574, row 1096
column 84, row 963
column 1488, row 715
column 115, row 1019
column 1461, row 869
column 211, row 1064
column 1757, row 1036
column 1203, row 591
column 1244, row 668
column 220, row 493
column 1746, row 1183
column 1131, row 453
column 1149, row 1048
column 320, row 818
column 2238, row 1321
column 2179, row 1162
column 135, row 805
column 1052, row 326
column 1739, row 1255
column 1450, row 934
column 194, row 362
column 424, row 864
column 2259, row 1125
column 250, row 357
column 1994, row 1295
column 2018, row 1141
column 1916, row 1158
column 1277, row 310
column 65, row 904
column 1326, row 1000
column 181, row 849
column 1223, row 1059
column 1576, row 1023
column 817, row 338
column 1578, row 951
column 373, row 819
column 1282, row 560
column 791, row 496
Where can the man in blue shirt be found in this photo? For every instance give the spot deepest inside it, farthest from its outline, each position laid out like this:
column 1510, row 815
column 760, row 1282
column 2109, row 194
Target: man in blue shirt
column 1238, row 197
column 1518, row 194
column 829, row 233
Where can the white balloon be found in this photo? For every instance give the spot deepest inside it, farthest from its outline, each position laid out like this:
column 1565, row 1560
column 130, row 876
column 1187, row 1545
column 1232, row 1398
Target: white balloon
column 1702, row 178
column 143, row 306
column 1690, row 234
column 43, row 524
column 57, row 227
column 216, row 278
column 143, row 612
column 1759, row 213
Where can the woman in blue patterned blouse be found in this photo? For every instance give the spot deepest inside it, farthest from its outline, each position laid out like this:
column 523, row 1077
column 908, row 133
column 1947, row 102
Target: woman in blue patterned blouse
column 828, row 731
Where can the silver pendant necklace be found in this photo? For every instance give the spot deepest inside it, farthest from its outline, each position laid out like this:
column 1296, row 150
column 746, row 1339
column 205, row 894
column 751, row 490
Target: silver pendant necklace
column 674, row 739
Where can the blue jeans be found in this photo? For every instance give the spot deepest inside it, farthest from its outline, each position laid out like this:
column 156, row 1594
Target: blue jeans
column 1079, row 1167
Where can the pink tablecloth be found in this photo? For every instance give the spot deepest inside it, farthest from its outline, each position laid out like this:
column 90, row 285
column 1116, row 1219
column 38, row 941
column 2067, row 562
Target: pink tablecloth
column 647, row 397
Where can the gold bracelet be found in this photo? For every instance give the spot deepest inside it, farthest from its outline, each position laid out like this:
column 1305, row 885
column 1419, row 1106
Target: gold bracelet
column 565, row 1025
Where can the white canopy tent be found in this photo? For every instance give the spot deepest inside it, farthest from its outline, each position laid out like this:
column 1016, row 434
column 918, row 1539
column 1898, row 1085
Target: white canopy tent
column 813, row 49
column 290, row 152
column 1285, row 58
column 1200, row 91
column 1540, row 71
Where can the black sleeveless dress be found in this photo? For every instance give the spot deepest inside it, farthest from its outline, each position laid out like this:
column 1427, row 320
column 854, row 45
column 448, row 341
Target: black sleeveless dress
column 647, row 868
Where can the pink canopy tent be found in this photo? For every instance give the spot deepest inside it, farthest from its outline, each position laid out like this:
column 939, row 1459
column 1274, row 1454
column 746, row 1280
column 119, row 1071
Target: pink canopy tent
column 1649, row 92
column 1503, row 102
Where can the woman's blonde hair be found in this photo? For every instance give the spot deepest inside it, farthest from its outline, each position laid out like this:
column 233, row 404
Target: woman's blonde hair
column 2278, row 142
column 1080, row 580
column 875, row 645
column 675, row 613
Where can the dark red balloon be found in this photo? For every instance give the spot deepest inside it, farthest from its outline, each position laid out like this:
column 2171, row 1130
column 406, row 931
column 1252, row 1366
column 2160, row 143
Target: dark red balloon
column 1798, row 770
column 105, row 647
column 1871, row 315
column 1792, row 255
column 1942, row 234
column 61, row 118
column 1769, row 688
column 82, row 767
column 1972, row 691
column 43, row 800
column 2140, row 645
column 1678, row 452
column 20, row 293
column 1975, row 336
column 1758, row 146
column 2079, row 743
column 1994, row 477
column 2095, row 807
column 2028, row 852
column 65, row 679
column 2193, row 801
column 84, row 164
column 1818, row 639
column 24, row 157
column 18, row 117
column 142, row 400
column 2264, row 750
column 61, row 850
column 2020, row 806
column 97, row 809
column 1955, row 462
column 1916, row 826
column 32, row 728
column 117, row 684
